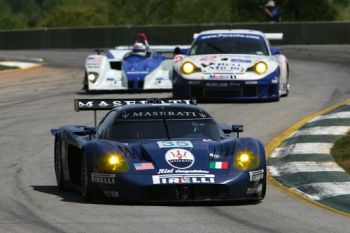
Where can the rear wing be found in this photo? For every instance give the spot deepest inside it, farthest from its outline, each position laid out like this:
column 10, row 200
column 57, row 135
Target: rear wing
column 108, row 104
column 274, row 36
column 158, row 48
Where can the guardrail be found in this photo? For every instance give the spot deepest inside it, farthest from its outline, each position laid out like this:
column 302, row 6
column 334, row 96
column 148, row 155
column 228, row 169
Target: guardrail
column 104, row 37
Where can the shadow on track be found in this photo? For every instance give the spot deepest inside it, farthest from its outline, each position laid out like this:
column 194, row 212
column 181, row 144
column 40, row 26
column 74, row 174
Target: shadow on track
column 66, row 196
column 69, row 196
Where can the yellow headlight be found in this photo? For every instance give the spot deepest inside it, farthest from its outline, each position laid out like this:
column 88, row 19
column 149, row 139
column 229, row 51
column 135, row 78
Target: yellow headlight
column 246, row 160
column 260, row 67
column 113, row 162
column 188, row 68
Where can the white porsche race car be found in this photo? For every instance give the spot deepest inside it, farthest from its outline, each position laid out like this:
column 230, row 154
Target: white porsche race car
column 231, row 65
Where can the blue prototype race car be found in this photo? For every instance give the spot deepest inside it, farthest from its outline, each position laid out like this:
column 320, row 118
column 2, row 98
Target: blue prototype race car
column 158, row 151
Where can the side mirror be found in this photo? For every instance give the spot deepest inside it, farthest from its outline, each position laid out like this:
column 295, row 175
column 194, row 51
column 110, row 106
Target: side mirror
column 225, row 128
column 178, row 51
column 99, row 51
column 237, row 129
column 275, row 51
column 89, row 131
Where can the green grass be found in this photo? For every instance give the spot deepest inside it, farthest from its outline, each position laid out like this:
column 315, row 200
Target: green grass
column 5, row 68
column 341, row 152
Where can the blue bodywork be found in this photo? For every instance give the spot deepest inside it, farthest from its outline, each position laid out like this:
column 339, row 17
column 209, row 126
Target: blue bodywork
column 137, row 67
column 164, row 182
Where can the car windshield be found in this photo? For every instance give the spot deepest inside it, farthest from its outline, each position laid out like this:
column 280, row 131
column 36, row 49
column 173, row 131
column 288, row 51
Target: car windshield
column 229, row 45
column 164, row 129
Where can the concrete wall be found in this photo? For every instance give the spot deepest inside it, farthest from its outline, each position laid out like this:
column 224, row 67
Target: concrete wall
column 104, row 37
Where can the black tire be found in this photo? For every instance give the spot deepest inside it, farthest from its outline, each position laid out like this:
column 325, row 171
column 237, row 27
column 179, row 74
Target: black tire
column 85, row 83
column 175, row 91
column 287, row 83
column 85, row 179
column 58, row 163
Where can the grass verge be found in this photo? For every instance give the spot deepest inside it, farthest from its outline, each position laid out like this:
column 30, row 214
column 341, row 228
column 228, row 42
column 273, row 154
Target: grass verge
column 341, row 152
column 5, row 68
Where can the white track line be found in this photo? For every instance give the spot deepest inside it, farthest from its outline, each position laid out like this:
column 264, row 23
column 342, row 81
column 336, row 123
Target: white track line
column 323, row 130
column 296, row 167
column 322, row 190
column 337, row 115
column 302, row 148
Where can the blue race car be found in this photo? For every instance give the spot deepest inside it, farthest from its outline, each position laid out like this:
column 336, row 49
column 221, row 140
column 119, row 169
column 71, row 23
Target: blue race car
column 158, row 151
column 231, row 65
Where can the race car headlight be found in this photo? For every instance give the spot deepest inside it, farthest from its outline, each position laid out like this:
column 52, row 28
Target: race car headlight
column 246, row 160
column 113, row 162
column 260, row 67
column 189, row 68
column 92, row 77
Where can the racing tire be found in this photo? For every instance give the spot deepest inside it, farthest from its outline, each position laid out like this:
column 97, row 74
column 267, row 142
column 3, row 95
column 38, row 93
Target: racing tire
column 85, row 179
column 176, row 93
column 85, row 83
column 58, row 163
column 286, row 87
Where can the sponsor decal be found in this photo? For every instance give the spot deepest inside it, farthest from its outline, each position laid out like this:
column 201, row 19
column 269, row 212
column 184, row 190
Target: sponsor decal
column 94, row 60
column 240, row 60
column 251, row 82
column 160, row 114
column 184, row 179
column 113, row 194
column 222, row 84
column 230, row 35
column 170, row 144
column 220, row 76
column 251, row 191
column 172, row 170
column 143, row 166
column 99, row 178
column 218, row 165
column 83, row 104
column 179, row 158
column 178, row 58
column 208, row 58
column 275, row 80
column 256, row 175
column 165, row 171
column 214, row 156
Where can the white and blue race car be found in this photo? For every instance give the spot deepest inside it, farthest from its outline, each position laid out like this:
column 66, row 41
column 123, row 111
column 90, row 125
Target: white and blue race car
column 134, row 68
column 231, row 65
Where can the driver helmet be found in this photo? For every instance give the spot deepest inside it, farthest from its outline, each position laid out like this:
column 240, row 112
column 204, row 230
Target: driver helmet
column 139, row 48
column 270, row 3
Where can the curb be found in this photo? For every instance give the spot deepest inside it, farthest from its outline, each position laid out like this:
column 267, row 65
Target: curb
column 295, row 168
column 21, row 63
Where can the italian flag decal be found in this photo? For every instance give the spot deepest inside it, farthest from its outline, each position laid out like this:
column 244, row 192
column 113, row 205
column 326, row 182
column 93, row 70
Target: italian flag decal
column 218, row 165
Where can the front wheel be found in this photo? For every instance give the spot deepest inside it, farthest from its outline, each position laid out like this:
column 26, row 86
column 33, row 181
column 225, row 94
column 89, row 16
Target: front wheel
column 58, row 163
column 86, row 186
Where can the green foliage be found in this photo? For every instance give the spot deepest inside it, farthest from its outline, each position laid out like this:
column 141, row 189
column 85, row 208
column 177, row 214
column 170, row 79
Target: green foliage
column 67, row 16
column 341, row 151
column 79, row 13
column 10, row 21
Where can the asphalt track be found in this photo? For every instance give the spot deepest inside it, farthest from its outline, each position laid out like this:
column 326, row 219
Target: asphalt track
column 33, row 101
